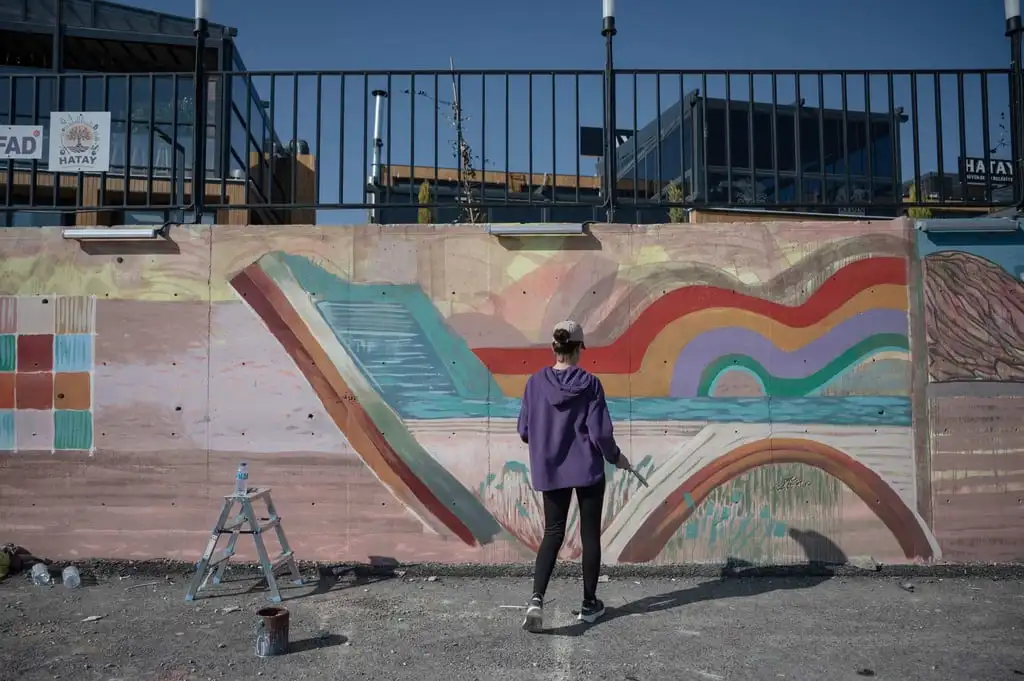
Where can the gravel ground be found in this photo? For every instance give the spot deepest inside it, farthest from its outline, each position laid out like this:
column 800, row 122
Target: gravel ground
column 403, row 627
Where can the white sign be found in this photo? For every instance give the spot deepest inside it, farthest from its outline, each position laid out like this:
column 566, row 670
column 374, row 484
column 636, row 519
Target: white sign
column 998, row 172
column 80, row 141
column 21, row 142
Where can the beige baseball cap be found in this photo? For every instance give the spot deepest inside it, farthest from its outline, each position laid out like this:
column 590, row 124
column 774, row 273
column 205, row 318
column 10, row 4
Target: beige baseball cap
column 574, row 329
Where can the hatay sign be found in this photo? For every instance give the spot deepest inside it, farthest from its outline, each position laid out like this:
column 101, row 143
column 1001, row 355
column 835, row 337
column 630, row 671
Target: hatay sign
column 80, row 141
column 998, row 171
column 21, row 142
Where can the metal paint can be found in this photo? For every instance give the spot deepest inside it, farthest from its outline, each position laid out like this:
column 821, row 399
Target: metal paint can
column 272, row 632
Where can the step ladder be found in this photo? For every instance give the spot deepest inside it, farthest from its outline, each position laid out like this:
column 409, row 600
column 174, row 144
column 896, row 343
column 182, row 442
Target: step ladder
column 245, row 522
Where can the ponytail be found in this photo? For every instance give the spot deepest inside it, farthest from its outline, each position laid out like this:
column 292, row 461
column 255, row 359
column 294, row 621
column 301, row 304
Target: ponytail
column 561, row 343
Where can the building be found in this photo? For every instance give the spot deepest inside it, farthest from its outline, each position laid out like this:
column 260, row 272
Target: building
column 54, row 55
column 689, row 146
column 970, row 191
column 740, row 152
column 540, row 197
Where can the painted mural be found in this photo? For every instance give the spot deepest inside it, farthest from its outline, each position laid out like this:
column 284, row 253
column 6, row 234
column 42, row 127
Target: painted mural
column 760, row 376
column 974, row 303
column 46, row 364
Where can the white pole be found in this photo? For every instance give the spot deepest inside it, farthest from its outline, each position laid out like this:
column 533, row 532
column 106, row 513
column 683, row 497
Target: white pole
column 378, row 144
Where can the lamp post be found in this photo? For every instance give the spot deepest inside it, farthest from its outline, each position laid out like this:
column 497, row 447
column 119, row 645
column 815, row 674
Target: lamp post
column 201, row 32
column 1014, row 31
column 610, row 151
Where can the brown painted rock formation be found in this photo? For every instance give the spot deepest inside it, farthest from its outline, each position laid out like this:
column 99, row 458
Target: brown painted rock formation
column 975, row 320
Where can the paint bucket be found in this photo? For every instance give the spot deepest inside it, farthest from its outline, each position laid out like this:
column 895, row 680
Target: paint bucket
column 272, row 632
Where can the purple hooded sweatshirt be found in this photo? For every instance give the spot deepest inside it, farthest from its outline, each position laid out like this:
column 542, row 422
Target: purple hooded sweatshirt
column 564, row 419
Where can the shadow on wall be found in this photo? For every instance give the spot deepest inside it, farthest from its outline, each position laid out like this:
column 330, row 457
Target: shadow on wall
column 822, row 554
column 583, row 242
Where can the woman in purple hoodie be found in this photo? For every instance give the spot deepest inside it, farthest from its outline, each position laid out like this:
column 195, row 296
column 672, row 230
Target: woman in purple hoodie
column 564, row 419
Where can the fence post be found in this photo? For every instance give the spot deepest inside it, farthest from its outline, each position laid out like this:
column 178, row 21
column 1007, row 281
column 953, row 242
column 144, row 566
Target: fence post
column 1014, row 29
column 57, row 55
column 610, row 148
column 202, row 29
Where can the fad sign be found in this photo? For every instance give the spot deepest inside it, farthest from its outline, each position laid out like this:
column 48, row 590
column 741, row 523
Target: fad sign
column 21, row 142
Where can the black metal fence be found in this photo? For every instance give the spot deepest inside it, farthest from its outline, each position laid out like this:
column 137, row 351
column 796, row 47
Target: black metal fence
column 511, row 146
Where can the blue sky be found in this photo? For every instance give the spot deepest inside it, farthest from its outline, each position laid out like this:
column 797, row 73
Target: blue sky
column 565, row 34
column 540, row 34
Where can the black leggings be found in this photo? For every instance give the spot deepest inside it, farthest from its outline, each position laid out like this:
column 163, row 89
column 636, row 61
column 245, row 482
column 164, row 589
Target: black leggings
column 556, row 513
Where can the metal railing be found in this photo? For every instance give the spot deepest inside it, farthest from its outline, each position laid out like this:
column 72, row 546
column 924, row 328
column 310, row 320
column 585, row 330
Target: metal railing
column 506, row 146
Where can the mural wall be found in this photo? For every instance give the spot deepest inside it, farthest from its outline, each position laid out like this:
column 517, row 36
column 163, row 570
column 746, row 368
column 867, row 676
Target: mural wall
column 974, row 301
column 760, row 376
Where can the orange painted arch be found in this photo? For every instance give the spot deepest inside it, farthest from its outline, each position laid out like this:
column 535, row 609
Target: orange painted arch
column 652, row 536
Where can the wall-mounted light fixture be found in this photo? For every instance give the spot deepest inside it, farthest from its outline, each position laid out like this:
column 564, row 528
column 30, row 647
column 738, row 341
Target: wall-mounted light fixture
column 541, row 229
column 114, row 233
column 968, row 225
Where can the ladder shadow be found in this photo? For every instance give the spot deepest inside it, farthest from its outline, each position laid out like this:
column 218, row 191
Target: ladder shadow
column 327, row 580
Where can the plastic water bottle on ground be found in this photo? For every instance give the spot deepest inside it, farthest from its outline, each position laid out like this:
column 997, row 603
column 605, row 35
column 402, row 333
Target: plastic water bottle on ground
column 242, row 479
column 41, row 575
column 71, row 577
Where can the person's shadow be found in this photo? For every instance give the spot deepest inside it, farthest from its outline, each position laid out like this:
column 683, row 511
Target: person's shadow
column 822, row 557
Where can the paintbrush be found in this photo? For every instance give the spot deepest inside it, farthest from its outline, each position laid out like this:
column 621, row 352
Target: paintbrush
column 642, row 479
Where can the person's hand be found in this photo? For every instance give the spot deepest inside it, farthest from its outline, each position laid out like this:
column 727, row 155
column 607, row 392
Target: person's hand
column 623, row 463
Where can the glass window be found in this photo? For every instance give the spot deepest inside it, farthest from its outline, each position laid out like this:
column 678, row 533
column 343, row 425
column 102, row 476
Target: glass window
column 786, row 191
column 571, row 213
column 857, row 192
column 72, row 95
column 739, row 137
column 881, row 149
column 884, row 191
column 813, row 191
column 688, row 151
column 833, row 142
column 140, row 98
column 744, row 188
column 810, row 152
column 786, row 132
column 94, row 95
column 170, row 94
column 715, row 137
column 46, row 90
column 763, row 159
column 672, row 158
column 24, row 98
column 856, row 141
column 26, row 218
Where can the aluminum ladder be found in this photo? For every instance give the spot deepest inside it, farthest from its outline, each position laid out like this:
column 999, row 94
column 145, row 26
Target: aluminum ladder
column 245, row 522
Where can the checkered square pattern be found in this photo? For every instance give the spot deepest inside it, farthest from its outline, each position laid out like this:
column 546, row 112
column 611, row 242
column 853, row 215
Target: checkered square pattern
column 47, row 359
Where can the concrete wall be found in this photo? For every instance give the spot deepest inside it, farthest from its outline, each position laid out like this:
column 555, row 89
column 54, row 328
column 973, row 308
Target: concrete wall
column 790, row 390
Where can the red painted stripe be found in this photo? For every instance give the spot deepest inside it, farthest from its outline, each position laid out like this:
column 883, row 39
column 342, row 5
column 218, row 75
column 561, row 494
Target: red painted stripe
column 649, row 540
column 625, row 354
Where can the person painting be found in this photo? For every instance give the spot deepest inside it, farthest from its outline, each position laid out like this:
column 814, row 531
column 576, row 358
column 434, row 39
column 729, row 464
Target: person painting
column 564, row 419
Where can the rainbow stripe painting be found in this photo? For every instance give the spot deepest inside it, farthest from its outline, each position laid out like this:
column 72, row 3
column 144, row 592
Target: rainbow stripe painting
column 806, row 371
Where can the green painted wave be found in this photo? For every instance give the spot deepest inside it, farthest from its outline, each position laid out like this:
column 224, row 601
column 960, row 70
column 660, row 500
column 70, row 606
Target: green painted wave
column 798, row 387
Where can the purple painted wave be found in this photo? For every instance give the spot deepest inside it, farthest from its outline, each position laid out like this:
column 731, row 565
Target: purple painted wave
column 707, row 347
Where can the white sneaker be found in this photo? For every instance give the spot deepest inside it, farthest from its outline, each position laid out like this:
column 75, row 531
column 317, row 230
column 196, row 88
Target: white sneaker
column 534, row 620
